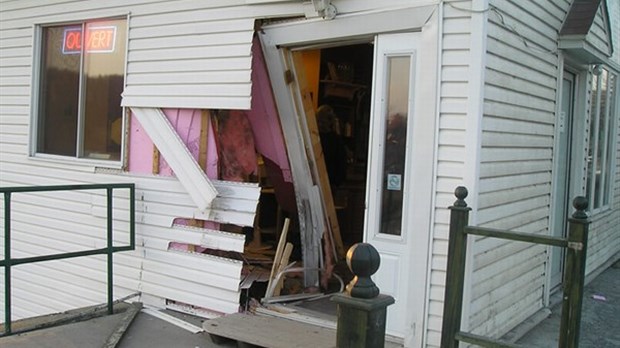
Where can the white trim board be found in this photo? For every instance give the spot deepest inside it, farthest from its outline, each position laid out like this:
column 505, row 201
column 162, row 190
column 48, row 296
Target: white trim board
column 350, row 26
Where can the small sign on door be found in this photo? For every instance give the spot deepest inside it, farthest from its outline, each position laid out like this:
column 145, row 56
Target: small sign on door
column 394, row 182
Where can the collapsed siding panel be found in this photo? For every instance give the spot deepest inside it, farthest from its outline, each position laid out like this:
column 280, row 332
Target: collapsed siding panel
column 160, row 202
column 186, row 277
column 46, row 223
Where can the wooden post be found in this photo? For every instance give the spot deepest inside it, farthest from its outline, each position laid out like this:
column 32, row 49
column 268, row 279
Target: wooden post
column 455, row 273
column 205, row 116
column 362, row 311
column 155, row 160
column 574, row 275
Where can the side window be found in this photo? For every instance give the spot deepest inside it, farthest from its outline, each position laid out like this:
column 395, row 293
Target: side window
column 600, row 144
column 81, row 78
column 394, row 150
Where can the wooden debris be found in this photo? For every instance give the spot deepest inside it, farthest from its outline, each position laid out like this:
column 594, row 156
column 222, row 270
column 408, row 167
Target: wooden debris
column 286, row 255
column 279, row 250
column 326, row 192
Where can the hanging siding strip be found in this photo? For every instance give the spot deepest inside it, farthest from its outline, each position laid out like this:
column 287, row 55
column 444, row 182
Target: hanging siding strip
column 176, row 154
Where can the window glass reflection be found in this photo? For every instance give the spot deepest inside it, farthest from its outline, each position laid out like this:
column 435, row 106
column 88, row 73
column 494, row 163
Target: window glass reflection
column 395, row 141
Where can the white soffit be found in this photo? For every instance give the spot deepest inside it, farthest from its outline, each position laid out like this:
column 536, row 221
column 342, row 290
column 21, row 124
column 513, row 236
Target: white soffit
column 185, row 167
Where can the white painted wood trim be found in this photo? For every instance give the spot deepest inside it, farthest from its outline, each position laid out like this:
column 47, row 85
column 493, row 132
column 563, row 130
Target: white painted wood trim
column 185, row 167
column 350, row 25
column 553, row 221
column 473, row 134
column 277, row 64
column 428, row 85
column 422, row 342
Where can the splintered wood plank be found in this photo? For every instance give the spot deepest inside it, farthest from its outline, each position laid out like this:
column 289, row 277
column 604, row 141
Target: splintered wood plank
column 313, row 130
column 283, row 262
column 279, row 250
column 269, row 331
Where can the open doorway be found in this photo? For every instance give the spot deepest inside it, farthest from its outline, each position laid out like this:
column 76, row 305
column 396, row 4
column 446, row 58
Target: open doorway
column 367, row 86
column 394, row 64
column 339, row 80
column 336, row 82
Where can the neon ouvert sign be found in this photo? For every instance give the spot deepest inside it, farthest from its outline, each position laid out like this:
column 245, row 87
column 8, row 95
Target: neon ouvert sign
column 99, row 39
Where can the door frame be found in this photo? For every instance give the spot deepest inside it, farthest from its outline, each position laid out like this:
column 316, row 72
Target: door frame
column 278, row 40
column 576, row 141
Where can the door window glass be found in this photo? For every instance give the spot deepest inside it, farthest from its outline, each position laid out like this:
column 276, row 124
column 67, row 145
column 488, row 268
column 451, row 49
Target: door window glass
column 397, row 102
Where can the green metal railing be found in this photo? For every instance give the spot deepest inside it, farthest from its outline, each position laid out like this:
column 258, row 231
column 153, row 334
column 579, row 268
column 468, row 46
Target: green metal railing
column 9, row 262
column 574, row 273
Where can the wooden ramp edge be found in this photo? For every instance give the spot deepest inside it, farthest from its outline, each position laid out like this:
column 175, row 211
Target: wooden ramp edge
column 272, row 332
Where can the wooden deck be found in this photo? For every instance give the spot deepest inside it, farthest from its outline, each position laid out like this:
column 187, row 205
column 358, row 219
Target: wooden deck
column 271, row 332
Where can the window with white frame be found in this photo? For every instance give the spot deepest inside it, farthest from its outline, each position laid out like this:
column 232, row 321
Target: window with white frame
column 600, row 145
column 81, row 78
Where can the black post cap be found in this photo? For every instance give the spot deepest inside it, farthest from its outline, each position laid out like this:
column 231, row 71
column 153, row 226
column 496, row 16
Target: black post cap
column 363, row 260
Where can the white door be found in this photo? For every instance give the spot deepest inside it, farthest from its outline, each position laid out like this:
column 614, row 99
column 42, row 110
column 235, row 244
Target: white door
column 393, row 176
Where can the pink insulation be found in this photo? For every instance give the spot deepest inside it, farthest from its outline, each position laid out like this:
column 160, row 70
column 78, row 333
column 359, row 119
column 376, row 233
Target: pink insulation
column 264, row 116
column 187, row 123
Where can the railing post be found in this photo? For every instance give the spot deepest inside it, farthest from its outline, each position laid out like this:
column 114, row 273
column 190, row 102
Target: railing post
column 110, row 245
column 7, row 267
column 455, row 273
column 574, row 274
column 362, row 311
column 132, row 216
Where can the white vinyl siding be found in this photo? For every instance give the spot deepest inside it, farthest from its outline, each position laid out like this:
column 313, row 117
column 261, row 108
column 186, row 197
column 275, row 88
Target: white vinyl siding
column 599, row 32
column 614, row 20
column 60, row 222
column 189, row 54
column 220, row 79
column 177, row 59
column 452, row 150
column 516, row 162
